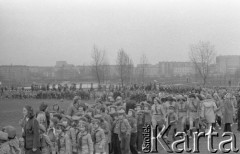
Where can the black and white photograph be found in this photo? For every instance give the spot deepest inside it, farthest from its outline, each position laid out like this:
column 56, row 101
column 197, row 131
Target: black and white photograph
column 119, row 76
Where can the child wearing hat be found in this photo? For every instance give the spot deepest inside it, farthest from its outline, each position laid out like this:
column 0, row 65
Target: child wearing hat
column 74, row 108
column 106, row 128
column 43, row 115
column 108, row 121
column 12, row 141
column 158, row 114
column 170, row 101
column 69, row 136
column 98, row 136
column 172, row 121
column 194, row 108
column 4, row 146
column 182, row 112
column 90, row 112
column 112, row 109
column 116, row 149
column 81, row 109
column 114, row 117
column 52, row 132
column 105, row 115
column 139, row 117
column 133, row 123
column 84, row 139
column 123, row 129
column 61, row 139
column 46, row 144
column 146, row 113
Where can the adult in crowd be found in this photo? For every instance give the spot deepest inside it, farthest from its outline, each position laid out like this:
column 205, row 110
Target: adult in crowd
column 238, row 110
column 194, row 110
column 73, row 109
column 31, row 132
column 228, row 112
column 219, row 113
column 208, row 109
column 43, row 115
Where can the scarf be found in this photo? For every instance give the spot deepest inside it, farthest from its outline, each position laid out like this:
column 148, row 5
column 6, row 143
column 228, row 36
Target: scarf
column 120, row 126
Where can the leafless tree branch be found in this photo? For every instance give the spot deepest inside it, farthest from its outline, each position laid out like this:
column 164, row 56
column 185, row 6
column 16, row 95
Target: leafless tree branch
column 202, row 56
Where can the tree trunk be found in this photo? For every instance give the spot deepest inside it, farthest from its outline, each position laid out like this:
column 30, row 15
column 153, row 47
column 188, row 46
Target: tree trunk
column 204, row 80
column 98, row 78
column 122, row 82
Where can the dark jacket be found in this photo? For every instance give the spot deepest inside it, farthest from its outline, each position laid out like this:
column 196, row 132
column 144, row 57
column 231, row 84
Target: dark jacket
column 31, row 134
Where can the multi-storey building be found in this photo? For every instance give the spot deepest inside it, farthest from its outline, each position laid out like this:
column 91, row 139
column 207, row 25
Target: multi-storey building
column 14, row 75
column 168, row 69
column 229, row 64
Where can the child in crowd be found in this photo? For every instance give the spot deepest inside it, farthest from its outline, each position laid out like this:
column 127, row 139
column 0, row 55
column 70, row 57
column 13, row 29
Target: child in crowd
column 46, row 144
column 84, row 139
column 98, row 137
column 52, row 132
column 172, row 121
column 133, row 138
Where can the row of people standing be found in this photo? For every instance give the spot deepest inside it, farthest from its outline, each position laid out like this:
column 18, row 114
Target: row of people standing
column 117, row 128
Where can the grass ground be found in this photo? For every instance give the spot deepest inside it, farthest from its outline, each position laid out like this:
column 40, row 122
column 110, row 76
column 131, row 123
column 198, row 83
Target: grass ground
column 11, row 113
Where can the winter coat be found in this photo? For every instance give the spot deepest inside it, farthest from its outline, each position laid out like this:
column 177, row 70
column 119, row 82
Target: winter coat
column 228, row 112
column 208, row 110
column 99, row 139
column 67, row 141
column 31, row 134
column 84, row 143
column 46, row 144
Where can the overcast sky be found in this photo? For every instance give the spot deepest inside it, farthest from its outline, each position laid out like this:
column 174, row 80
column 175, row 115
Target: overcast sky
column 40, row 32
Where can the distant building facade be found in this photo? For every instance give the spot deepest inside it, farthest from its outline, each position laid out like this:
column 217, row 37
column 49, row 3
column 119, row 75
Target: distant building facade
column 62, row 71
column 148, row 70
column 228, row 64
column 65, row 71
column 168, row 69
column 14, row 74
column 61, row 64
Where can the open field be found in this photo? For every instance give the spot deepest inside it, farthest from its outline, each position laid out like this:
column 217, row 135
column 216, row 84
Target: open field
column 11, row 113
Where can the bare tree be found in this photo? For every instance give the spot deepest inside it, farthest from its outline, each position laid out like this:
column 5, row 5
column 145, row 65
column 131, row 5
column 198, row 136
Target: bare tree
column 98, row 58
column 130, row 69
column 202, row 56
column 143, row 64
column 105, row 71
column 125, row 66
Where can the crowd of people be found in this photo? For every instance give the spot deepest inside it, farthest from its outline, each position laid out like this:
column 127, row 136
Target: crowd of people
column 68, row 92
column 114, row 123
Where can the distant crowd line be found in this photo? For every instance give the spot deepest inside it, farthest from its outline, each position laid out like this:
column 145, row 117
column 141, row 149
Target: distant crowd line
column 68, row 92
